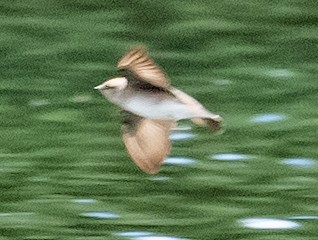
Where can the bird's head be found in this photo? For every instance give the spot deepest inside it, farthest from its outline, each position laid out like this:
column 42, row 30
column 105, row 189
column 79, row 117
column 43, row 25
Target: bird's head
column 112, row 85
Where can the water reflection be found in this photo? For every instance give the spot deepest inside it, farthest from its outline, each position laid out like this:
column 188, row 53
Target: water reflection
column 179, row 161
column 5, row 214
column 146, row 236
column 39, row 179
column 280, row 73
column 222, row 82
column 159, row 238
column 102, row 215
column 81, row 201
column 231, row 156
column 268, row 223
column 159, row 178
column 19, row 214
column 300, row 162
column 39, row 102
column 304, row 217
column 133, row 234
column 268, row 117
column 181, row 136
column 81, row 98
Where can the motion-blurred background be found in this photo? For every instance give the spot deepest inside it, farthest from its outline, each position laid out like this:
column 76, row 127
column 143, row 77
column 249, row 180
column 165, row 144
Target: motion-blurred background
column 64, row 172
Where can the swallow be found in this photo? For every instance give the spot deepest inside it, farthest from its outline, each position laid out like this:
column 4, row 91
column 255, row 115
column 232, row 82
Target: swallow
column 151, row 107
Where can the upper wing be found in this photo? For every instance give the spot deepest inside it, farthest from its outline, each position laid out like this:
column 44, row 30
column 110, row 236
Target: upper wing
column 147, row 141
column 141, row 66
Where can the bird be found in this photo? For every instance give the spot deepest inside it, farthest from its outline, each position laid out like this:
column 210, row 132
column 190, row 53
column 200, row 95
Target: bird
column 150, row 107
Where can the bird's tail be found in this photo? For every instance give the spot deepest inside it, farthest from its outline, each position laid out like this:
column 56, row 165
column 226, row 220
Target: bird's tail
column 213, row 122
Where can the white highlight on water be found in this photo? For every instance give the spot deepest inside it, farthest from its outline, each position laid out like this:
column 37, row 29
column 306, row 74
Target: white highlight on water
column 159, row 178
column 304, row 217
column 179, row 161
column 280, row 73
column 159, row 238
column 221, row 82
column 101, row 215
column 39, row 102
column 231, row 156
column 268, row 118
column 300, row 162
column 81, row 98
column 133, row 234
column 268, row 223
column 84, row 201
column 139, row 235
column 174, row 136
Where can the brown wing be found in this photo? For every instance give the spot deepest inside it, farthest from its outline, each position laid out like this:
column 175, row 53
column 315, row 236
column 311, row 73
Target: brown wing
column 147, row 141
column 138, row 63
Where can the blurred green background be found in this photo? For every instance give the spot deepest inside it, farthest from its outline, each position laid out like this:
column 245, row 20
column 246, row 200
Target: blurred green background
column 64, row 171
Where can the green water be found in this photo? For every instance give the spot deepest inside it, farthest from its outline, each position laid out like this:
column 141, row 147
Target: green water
column 64, row 172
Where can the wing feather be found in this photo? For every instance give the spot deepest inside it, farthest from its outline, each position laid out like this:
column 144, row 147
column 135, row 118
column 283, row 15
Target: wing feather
column 147, row 142
column 138, row 63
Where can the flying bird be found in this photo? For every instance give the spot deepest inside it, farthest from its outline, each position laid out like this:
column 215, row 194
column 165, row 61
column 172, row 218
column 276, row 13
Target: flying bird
column 151, row 107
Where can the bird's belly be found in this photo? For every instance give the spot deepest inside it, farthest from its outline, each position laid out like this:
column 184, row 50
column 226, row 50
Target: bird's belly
column 168, row 109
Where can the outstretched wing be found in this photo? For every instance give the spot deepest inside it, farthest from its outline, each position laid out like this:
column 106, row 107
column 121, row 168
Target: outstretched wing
column 138, row 66
column 147, row 141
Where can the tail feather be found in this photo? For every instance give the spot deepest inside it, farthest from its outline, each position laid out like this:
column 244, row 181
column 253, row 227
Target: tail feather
column 213, row 123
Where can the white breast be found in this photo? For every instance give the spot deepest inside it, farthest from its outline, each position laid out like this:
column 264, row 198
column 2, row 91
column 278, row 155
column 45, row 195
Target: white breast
column 157, row 106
